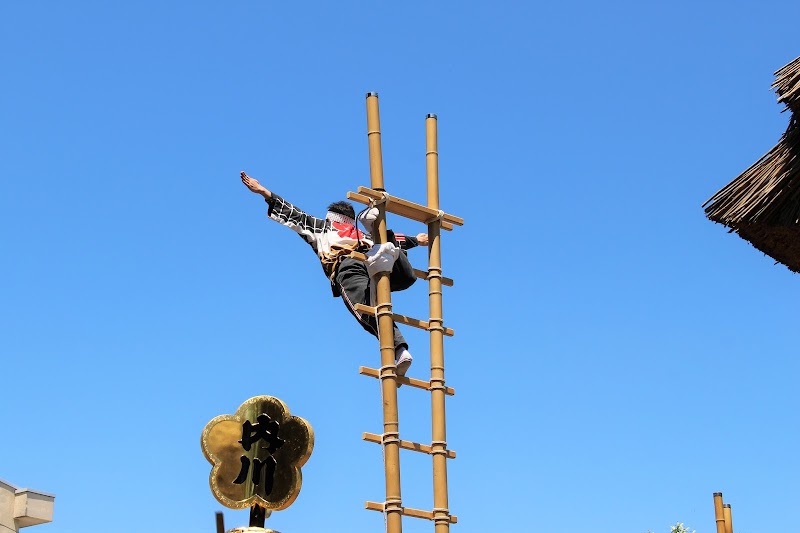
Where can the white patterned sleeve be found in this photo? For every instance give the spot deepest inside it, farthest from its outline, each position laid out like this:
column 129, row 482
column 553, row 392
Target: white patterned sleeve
column 307, row 226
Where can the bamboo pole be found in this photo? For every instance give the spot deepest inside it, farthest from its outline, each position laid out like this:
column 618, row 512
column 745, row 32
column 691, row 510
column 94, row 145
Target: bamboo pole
column 441, row 512
column 374, row 138
column 258, row 516
column 391, row 426
column 726, row 514
column 432, row 160
column 719, row 513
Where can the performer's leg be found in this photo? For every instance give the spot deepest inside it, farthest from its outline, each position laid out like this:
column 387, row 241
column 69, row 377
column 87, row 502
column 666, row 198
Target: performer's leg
column 353, row 283
column 402, row 276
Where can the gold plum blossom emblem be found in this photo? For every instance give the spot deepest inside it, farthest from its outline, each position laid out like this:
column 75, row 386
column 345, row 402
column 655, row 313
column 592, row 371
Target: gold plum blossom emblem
column 256, row 454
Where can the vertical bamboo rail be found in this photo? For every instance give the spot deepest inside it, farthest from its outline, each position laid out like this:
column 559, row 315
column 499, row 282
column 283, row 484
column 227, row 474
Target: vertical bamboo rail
column 391, row 427
column 726, row 514
column 441, row 512
column 719, row 513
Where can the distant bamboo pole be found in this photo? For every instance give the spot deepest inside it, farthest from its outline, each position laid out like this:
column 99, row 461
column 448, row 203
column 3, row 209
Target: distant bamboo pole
column 391, row 425
column 726, row 514
column 719, row 513
column 441, row 513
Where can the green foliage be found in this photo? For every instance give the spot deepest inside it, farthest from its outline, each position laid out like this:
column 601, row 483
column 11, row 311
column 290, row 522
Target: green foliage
column 678, row 528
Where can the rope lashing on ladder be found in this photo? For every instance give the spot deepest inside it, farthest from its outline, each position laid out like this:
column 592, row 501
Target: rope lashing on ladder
column 441, row 514
column 383, row 309
column 388, row 371
column 439, row 447
column 390, row 437
column 437, row 384
column 393, row 505
column 382, row 200
column 438, row 218
column 435, row 324
column 434, row 272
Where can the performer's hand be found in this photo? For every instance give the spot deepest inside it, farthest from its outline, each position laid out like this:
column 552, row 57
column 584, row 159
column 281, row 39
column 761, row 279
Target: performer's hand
column 255, row 186
column 422, row 239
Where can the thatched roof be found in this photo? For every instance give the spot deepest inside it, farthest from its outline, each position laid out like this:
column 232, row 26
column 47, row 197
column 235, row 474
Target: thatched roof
column 762, row 204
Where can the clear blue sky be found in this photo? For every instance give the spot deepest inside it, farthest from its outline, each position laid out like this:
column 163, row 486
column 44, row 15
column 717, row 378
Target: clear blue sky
column 617, row 357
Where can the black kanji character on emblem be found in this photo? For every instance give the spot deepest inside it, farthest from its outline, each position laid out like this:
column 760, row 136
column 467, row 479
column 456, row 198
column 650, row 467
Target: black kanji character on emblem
column 267, row 430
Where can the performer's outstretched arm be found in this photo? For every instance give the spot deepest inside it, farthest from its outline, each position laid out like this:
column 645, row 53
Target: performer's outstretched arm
column 307, row 226
column 255, row 186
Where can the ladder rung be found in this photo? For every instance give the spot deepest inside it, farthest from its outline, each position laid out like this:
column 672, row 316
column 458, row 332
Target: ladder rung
column 407, row 445
column 408, row 511
column 418, row 383
column 417, row 212
column 421, row 274
column 360, row 198
column 366, row 200
column 403, row 319
column 407, row 209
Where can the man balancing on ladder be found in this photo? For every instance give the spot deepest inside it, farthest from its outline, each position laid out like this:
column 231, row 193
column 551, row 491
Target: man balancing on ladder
column 337, row 235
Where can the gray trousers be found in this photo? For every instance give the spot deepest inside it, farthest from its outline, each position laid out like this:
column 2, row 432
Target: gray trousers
column 353, row 282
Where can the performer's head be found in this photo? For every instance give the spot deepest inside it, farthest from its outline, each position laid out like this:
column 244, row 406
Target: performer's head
column 341, row 212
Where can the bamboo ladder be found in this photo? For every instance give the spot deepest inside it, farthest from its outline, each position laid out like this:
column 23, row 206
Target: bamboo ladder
column 722, row 514
column 436, row 220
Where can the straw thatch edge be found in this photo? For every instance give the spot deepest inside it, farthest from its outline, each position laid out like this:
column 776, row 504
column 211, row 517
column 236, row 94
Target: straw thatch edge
column 781, row 243
column 762, row 205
